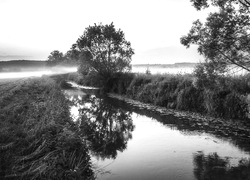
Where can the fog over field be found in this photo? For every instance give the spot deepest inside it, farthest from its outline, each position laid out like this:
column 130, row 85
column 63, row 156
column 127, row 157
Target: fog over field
column 21, row 69
column 29, row 68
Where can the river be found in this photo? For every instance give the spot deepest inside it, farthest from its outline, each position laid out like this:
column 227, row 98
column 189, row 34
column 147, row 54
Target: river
column 129, row 143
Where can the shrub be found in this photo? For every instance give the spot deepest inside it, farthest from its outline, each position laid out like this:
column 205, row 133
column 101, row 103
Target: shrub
column 147, row 93
column 213, row 101
column 235, row 106
column 119, row 83
column 190, row 99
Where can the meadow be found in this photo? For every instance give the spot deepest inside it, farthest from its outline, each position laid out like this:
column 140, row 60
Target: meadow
column 37, row 137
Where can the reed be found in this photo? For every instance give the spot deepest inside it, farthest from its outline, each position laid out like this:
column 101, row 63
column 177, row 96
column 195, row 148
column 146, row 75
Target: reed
column 226, row 97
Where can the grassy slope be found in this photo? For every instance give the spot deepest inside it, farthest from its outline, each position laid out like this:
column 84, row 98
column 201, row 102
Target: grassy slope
column 37, row 138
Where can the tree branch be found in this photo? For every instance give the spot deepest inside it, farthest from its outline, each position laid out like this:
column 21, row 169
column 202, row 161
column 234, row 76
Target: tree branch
column 232, row 61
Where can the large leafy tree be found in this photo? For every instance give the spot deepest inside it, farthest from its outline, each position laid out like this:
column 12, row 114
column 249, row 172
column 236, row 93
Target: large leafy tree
column 103, row 49
column 224, row 38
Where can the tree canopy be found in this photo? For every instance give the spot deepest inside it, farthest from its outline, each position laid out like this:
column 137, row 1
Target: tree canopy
column 55, row 58
column 224, row 38
column 199, row 4
column 103, row 49
column 72, row 54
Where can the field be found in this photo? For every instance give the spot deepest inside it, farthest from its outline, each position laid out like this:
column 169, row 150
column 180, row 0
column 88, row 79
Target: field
column 37, row 137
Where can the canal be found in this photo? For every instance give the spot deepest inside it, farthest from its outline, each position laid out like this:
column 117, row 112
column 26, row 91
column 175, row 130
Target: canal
column 130, row 143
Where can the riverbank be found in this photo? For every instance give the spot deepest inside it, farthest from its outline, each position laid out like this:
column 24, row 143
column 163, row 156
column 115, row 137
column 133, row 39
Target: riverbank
column 237, row 131
column 223, row 109
column 38, row 139
column 223, row 97
column 125, row 138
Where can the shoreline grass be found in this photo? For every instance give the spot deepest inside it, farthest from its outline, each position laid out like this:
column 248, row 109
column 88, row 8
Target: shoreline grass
column 37, row 137
column 225, row 97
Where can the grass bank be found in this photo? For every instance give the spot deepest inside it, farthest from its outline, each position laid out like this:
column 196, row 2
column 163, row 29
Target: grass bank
column 37, row 138
column 225, row 97
column 228, row 98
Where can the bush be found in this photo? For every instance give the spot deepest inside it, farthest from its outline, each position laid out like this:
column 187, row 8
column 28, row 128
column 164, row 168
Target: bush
column 213, row 101
column 147, row 93
column 235, row 106
column 118, row 83
column 190, row 99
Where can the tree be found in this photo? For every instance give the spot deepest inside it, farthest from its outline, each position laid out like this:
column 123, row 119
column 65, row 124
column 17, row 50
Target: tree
column 104, row 50
column 199, row 4
column 224, row 38
column 72, row 55
column 55, row 58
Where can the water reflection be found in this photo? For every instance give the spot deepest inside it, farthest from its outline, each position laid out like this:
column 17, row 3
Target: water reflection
column 236, row 132
column 214, row 167
column 158, row 150
column 107, row 128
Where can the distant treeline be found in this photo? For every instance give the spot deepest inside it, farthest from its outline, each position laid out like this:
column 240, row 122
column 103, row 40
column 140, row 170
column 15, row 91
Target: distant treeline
column 175, row 65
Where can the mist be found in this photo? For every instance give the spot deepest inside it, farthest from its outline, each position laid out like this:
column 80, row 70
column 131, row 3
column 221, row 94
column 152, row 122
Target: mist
column 22, row 72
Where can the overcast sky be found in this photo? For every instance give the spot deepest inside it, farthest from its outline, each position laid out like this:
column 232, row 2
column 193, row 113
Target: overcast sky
column 31, row 29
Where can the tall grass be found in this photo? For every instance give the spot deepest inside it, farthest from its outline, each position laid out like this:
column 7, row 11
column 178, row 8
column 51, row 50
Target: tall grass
column 37, row 138
column 226, row 97
column 210, row 94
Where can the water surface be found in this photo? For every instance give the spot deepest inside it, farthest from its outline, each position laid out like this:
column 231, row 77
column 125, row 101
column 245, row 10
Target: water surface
column 125, row 144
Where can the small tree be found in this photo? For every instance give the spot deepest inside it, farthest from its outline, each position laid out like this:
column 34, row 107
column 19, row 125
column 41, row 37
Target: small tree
column 55, row 58
column 104, row 50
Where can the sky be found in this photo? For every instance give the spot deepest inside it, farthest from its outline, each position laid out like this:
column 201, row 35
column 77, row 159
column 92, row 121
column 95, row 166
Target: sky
column 31, row 29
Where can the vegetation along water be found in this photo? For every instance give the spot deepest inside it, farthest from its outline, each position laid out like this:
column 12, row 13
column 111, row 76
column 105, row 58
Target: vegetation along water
column 134, row 126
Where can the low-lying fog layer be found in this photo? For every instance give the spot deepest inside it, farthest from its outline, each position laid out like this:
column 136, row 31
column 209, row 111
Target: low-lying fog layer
column 163, row 70
column 37, row 73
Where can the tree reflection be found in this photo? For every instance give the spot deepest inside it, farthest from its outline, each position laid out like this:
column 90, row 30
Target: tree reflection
column 105, row 127
column 213, row 167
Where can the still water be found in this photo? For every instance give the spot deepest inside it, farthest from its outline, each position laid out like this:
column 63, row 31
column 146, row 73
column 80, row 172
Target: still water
column 127, row 144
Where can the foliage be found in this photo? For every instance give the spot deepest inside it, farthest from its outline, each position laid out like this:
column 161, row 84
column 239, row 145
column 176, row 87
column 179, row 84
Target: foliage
column 191, row 99
column 199, row 4
column 37, row 137
column 204, row 92
column 206, row 76
column 223, row 39
column 214, row 167
column 55, row 58
column 118, row 83
column 104, row 50
column 72, row 54
column 235, row 106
